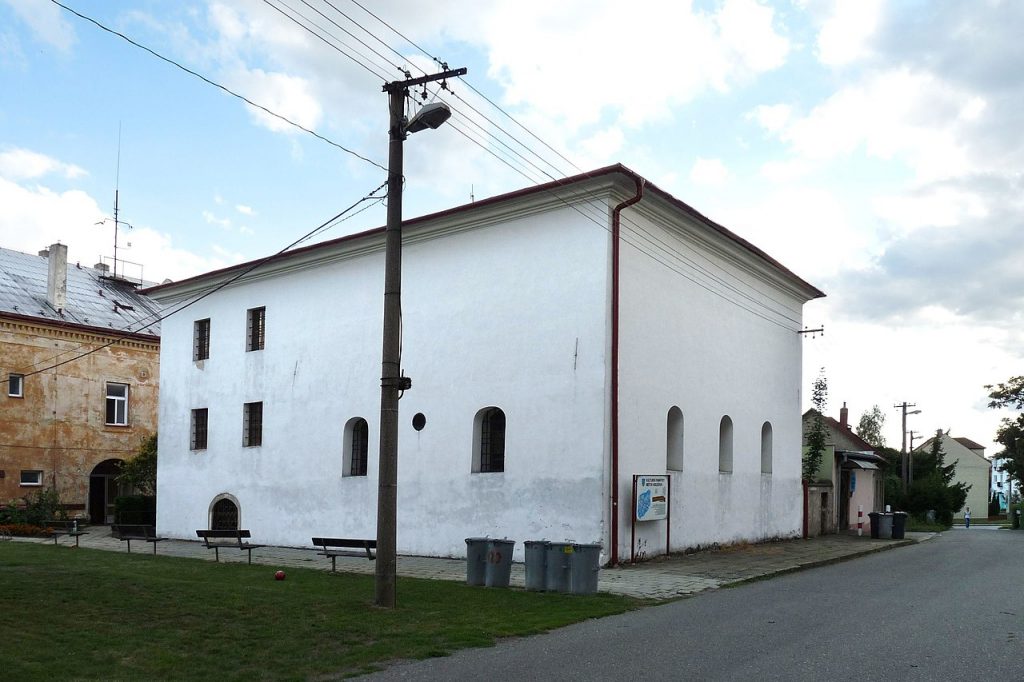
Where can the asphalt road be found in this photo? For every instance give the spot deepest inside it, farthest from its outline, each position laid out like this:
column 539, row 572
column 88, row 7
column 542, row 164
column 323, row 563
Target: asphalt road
column 951, row 608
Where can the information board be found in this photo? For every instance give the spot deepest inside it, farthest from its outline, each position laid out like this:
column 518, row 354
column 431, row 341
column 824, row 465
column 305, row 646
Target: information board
column 651, row 497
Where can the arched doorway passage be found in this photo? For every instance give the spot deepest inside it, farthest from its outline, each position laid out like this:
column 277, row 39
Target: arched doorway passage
column 104, row 490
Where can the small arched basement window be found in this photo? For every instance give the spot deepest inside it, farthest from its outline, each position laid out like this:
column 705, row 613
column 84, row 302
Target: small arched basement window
column 357, row 447
column 489, row 441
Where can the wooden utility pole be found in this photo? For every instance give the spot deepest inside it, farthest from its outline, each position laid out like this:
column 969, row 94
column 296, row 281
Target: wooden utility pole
column 904, row 459
column 392, row 383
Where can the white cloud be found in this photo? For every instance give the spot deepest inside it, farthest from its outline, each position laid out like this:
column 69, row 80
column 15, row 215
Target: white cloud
column 46, row 21
column 35, row 217
column 943, row 206
column 245, row 210
column 772, row 118
column 709, row 172
column 211, row 219
column 844, row 35
column 289, row 96
column 900, row 114
column 22, row 164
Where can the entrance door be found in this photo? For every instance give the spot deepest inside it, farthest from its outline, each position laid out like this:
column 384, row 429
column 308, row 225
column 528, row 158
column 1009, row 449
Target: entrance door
column 104, row 490
column 844, row 501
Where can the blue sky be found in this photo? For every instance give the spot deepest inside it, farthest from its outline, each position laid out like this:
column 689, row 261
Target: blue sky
column 872, row 147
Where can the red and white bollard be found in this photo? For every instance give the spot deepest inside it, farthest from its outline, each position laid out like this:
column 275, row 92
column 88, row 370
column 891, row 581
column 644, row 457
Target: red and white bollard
column 860, row 520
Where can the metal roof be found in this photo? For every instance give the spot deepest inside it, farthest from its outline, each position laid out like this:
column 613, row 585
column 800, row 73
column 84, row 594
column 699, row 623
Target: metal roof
column 93, row 299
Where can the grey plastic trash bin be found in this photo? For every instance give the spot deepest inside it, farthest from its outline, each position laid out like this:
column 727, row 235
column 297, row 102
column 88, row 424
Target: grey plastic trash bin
column 557, row 573
column 536, row 559
column 585, row 563
column 899, row 525
column 885, row 526
column 499, row 562
column 476, row 558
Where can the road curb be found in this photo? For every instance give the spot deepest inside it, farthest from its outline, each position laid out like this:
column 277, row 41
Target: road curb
column 814, row 563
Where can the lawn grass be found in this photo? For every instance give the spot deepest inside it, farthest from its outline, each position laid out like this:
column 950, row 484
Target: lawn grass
column 90, row 614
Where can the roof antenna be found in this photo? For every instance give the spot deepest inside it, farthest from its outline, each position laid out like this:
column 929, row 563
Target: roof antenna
column 117, row 191
column 472, row 197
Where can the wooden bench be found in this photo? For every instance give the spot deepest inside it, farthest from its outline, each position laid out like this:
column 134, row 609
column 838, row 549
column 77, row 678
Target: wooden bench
column 69, row 528
column 128, row 532
column 327, row 546
column 228, row 539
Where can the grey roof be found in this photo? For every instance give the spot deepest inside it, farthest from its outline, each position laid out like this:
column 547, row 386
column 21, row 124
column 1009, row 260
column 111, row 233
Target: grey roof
column 93, row 300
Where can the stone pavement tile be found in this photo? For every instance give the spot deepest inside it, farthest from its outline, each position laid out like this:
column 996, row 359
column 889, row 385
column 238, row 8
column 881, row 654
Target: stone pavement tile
column 664, row 577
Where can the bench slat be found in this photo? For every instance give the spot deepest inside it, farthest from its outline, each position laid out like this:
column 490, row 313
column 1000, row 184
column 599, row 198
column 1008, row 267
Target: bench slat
column 354, row 543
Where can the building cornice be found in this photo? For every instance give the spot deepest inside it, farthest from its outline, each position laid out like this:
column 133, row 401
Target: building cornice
column 21, row 324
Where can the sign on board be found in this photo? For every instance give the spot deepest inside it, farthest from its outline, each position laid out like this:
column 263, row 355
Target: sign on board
column 651, row 498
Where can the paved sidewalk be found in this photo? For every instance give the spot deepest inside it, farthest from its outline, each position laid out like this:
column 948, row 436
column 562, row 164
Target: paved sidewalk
column 660, row 578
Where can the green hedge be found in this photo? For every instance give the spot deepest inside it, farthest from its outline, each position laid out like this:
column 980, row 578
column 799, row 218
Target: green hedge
column 138, row 509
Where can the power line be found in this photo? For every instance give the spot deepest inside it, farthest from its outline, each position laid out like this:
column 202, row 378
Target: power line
column 127, row 334
column 219, row 86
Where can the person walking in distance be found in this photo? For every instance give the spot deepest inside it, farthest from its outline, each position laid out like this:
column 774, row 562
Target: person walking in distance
column 967, row 518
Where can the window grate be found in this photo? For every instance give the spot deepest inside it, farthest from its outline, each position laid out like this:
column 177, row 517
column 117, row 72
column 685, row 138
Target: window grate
column 492, row 441
column 201, row 340
column 255, row 329
column 252, row 425
column 360, row 448
column 200, row 427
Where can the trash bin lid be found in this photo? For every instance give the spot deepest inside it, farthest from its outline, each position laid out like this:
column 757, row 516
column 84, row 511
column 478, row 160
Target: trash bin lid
column 468, row 540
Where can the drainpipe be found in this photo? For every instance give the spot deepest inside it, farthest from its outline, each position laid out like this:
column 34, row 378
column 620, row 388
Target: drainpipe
column 615, row 365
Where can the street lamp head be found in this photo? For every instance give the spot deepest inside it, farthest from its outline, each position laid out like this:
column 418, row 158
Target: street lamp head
column 429, row 116
column 915, row 412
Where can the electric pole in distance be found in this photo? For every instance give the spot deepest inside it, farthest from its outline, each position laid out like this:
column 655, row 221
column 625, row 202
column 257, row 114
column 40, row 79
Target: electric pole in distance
column 392, row 382
column 904, row 463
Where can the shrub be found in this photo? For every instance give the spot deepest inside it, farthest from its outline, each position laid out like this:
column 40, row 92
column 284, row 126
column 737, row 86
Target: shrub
column 135, row 509
column 993, row 506
column 35, row 509
column 25, row 530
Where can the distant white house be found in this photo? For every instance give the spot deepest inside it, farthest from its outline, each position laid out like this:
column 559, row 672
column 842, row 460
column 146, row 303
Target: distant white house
column 1001, row 485
column 560, row 340
column 972, row 468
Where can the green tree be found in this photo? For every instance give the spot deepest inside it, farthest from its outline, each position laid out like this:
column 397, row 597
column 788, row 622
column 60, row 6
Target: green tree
column 140, row 470
column 870, row 427
column 816, row 434
column 933, row 487
column 1011, row 431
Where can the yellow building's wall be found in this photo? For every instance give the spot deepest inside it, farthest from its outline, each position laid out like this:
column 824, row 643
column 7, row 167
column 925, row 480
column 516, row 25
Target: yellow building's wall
column 59, row 426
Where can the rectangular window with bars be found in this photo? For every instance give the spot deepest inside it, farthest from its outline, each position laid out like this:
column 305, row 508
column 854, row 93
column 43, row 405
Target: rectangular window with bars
column 252, row 425
column 117, row 404
column 201, row 340
column 200, row 425
column 255, row 329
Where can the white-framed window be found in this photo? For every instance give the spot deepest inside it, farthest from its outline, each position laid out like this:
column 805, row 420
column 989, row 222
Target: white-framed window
column 201, row 340
column 725, row 446
column 489, row 441
column 766, row 448
column 357, row 447
column 117, row 404
column 674, row 444
column 30, row 477
column 199, row 428
column 255, row 329
column 252, row 425
column 16, row 385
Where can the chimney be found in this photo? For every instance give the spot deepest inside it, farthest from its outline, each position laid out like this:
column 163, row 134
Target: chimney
column 45, row 253
column 844, row 417
column 57, row 279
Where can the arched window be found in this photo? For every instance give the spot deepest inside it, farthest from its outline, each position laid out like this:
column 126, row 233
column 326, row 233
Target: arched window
column 674, row 445
column 356, row 447
column 766, row 448
column 224, row 513
column 725, row 445
column 489, row 441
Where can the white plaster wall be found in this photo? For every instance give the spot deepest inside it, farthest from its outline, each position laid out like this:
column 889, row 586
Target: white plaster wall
column 683, row 345
column 972, row 469
column 511, row 315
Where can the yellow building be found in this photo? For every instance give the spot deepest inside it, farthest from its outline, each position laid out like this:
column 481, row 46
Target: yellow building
column 79, row 394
